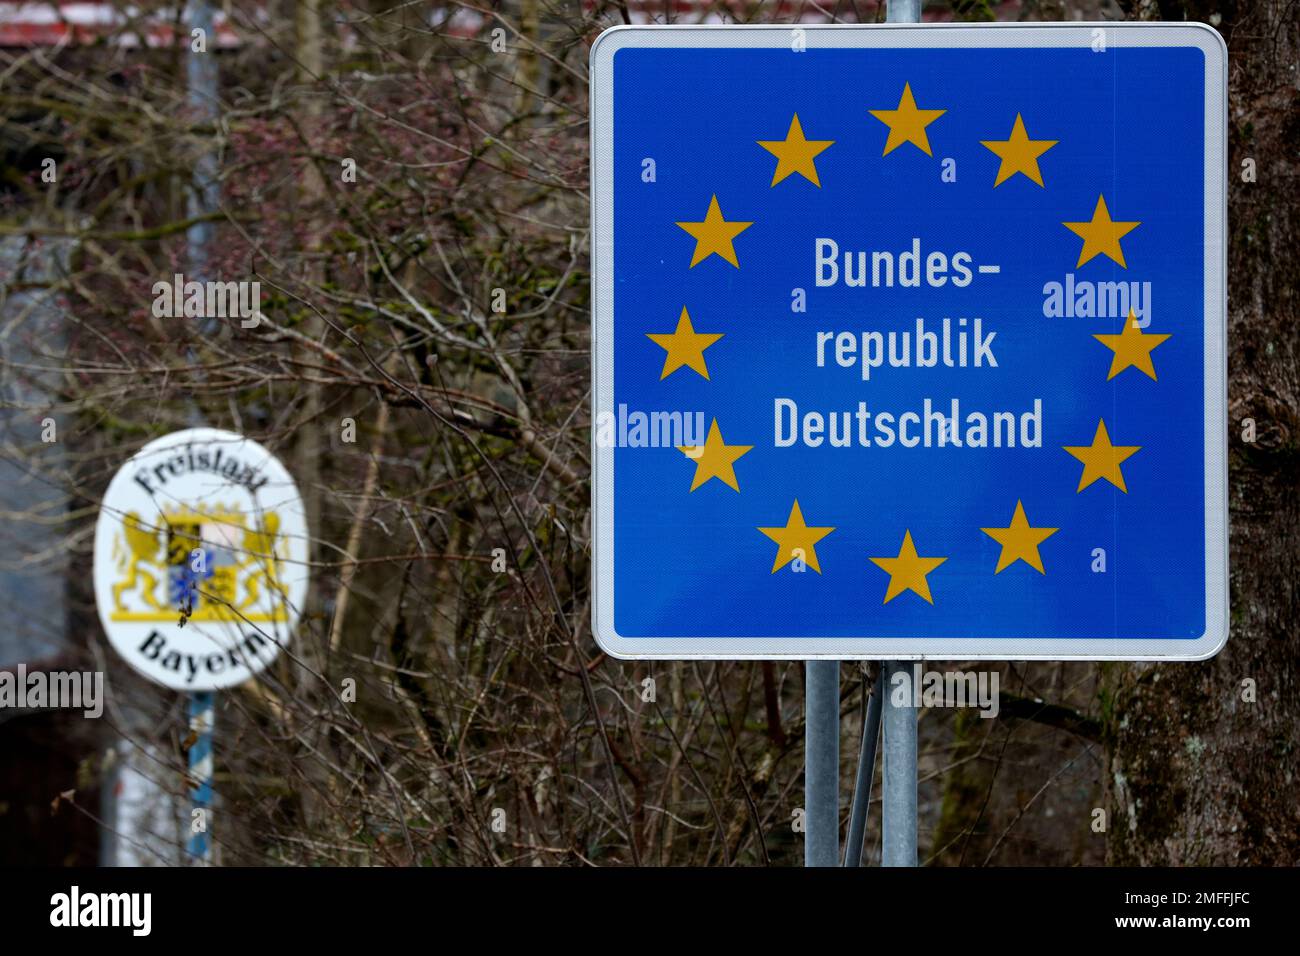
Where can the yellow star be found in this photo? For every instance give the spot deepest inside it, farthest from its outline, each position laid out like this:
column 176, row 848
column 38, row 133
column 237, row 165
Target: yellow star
column 1131, row 348
column 714, row 459
column 907, row 571
column 795, row 154
column 1019, row 541
column 1101, row 236
column 907, row 124
column 796, row 540
column 1101, row 459
column 685, row 346
column 714, row 235
column 1019, row 153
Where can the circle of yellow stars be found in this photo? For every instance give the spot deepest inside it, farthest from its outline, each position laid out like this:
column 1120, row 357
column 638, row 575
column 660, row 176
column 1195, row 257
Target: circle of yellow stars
column 1018, row 155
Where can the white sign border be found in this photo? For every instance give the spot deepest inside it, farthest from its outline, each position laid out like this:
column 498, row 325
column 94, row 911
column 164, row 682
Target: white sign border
column 833, row 36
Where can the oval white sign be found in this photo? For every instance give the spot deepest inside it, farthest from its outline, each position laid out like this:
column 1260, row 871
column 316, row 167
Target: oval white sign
column 200, row 559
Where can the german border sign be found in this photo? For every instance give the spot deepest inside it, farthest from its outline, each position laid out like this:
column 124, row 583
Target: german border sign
column 200, row 559
column 909, row 342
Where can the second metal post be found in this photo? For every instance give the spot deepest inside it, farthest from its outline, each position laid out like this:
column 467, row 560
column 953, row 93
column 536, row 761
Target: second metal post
column 898, row 817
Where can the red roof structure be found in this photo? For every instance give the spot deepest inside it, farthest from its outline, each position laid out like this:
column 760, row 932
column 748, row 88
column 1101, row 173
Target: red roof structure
column 41, row 23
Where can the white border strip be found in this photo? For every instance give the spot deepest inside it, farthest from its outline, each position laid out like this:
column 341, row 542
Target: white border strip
column 924, row 36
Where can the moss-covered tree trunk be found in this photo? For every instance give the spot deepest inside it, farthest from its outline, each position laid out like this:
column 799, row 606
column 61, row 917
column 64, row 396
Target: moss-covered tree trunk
column 1203, row 759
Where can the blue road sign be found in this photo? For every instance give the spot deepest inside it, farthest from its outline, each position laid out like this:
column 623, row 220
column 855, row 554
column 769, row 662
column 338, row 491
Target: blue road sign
column 909, row 342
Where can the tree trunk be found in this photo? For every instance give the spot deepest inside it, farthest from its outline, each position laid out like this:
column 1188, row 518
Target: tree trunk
column 1203, row 758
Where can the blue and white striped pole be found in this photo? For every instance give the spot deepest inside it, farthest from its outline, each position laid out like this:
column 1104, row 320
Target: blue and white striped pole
column 201, row 81
column 202, row 716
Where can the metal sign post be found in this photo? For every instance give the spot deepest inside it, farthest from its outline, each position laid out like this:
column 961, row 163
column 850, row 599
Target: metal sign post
column 898, row 772
column 822, row 731
column 898, row 814
column 903, row 11
column 822, row 765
